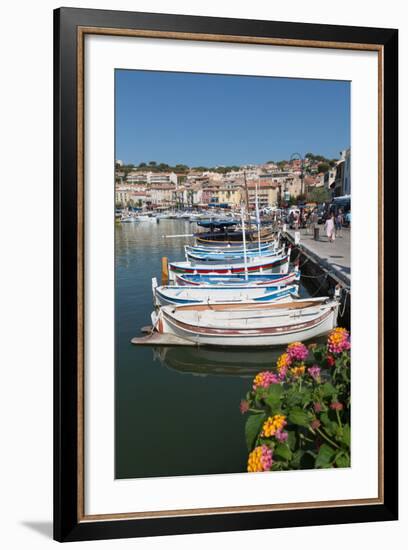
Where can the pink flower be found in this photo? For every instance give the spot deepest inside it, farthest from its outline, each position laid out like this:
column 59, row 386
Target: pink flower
column 266, row 459
column 244, row 406
column 317, row 407
column 281, row 436
column 297, row 351
column 314, row 372
column 264, row 380
column 315, row 424
column 338, row 340
column 336, row 406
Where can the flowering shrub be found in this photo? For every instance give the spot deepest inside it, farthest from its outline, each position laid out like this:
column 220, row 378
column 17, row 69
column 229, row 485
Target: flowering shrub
column 299, row 411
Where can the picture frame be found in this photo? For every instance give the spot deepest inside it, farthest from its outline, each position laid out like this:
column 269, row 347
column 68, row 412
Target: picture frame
column 71, row 26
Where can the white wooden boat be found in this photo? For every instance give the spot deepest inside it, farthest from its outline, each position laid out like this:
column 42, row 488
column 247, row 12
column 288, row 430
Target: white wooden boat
column 202, row 249
column 253, row 265
column 176, row 295
column 237, row 280
column 248, row 324
column 233, row 257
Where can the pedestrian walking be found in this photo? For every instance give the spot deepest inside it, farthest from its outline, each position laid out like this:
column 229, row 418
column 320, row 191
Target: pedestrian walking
column 330, row 228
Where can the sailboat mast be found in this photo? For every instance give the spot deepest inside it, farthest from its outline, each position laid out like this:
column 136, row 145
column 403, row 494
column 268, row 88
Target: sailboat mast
column 247, row 202
column 244, row 242
column 258, row 219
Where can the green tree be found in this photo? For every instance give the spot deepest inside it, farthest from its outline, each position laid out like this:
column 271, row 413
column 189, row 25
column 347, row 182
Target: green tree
column 318, row 194
column 323, row 167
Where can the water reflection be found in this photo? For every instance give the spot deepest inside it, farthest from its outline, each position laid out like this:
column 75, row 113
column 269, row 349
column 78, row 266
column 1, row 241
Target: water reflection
column 215, row 362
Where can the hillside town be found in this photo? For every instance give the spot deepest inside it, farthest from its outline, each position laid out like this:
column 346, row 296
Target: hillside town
column 154, row 186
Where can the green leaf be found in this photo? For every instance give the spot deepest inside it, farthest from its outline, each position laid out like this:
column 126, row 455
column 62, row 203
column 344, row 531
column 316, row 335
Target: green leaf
column 331, row 426
column 252, row 428
column 282, row 451
column 292, row 439
column 346, row 435
column 299, row 417
column 274, row 395
column 306, row 397
column 342, row 460
column 325, row 457
column 328, row 389
column 296, row 459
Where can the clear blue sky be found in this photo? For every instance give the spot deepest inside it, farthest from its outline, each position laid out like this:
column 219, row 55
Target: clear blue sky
column 209, row 120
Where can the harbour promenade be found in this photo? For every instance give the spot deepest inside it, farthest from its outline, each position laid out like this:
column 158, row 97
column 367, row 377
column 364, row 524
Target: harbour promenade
column 333, row 257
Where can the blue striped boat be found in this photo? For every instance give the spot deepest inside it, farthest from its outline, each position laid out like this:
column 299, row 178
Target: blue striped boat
column 253, row 279
column 178, row 295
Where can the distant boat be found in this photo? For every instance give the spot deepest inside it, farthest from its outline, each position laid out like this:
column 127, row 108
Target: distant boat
column 128, row 218
column 252, row 279
column 176, row 295
column 247, row 325
column 266, row 265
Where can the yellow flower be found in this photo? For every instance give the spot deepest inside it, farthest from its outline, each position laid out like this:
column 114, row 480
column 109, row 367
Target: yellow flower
column 284, row 361
column 260, row 459
column 298, row 371
column 273, row 424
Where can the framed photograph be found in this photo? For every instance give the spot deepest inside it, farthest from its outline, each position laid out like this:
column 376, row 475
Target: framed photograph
column 225, row 327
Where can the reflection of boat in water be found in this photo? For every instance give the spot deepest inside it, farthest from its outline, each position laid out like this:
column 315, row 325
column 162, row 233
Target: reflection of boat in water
column 209, row 361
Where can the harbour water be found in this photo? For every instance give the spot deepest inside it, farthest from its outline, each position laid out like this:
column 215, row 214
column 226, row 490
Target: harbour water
column 176, row 409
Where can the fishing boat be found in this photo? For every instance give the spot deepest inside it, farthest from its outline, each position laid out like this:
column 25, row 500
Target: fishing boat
column 251, row 279
column 263, row 265
column 224, row 232
column 233, row 249
column 248, row 324
column 232, row 257
column 176, row 295
column 234, row 238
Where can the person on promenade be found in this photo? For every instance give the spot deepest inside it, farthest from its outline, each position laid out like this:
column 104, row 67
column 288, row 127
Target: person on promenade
column 330, row 228
column 308, row 222
column 339, row 222
column 314, row 219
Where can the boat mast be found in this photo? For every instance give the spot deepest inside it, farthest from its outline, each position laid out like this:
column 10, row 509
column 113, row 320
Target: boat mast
column 244, row 241
column 258, row 219
column 247, row 203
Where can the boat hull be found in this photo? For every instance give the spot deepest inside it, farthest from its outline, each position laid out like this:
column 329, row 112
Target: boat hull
column 304, row 325
column 173, row 295
column 254, row 279
column 264, row 266
column 226, row 257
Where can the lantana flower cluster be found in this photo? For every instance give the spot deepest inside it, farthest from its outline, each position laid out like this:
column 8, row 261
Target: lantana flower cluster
column 260, row 459
column 338, row 340
column 264, row 380
column 292, row 361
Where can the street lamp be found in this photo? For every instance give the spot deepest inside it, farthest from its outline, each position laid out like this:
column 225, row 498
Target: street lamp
column 299, row 156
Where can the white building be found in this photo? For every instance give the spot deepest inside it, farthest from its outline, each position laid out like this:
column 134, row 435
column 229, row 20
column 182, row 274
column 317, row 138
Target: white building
column 161, row 178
